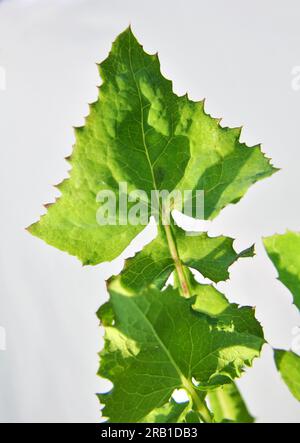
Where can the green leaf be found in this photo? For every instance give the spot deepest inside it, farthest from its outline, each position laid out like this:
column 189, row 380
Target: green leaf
column 226, row 316
column 171, row 412
column 228, row 405
column 212, row 256
column 158, row 342
column 106, row 313
column 141, row 133
column 284, row 251
column 288, row 364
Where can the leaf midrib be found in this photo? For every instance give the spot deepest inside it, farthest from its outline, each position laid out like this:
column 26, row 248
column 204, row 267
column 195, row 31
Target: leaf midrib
column 159, row 340
column 142, row 117
column 184, row 382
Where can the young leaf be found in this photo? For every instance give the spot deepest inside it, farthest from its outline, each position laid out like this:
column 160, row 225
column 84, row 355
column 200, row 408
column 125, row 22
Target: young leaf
column 158, row 342
column 288, row 364
column 212, row 256
column 141, row 133
column 284, row 251
column 227, row 404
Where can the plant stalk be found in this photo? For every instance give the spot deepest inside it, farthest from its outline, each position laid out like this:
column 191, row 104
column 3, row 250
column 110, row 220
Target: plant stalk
column 178, row 264
column 199, row 404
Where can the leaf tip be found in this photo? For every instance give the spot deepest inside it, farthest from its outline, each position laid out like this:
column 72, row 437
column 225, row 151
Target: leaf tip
column 47, row 205
column 28, row 228
column 68, row 158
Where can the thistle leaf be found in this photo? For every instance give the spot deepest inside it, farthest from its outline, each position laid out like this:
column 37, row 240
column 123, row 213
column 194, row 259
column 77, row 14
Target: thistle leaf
column 284, row 251
column 159, row 342
column 141, row 133
column 288, row 364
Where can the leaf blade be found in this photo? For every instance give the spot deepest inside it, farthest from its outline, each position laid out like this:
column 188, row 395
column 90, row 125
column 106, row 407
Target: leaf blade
column 288, row 364
column 141, row 133
column 284, row 251
column 159, row 343
column 228, row 405
column 211, row 256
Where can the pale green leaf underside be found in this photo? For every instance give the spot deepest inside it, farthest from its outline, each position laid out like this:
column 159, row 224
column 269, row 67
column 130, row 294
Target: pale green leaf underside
column 228, row 405
column 158, row 341
column 141, row 133
column 288, row 364
column 212, row 256
column 284, row 251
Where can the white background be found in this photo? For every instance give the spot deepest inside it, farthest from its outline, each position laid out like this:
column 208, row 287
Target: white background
column 240, row 56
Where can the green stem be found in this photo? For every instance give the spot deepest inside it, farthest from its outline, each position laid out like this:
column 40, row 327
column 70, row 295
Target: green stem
column 178, row 264
column 198, row 403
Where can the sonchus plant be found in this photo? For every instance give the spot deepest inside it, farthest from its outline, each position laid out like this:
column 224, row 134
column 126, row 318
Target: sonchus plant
column 158, row 337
